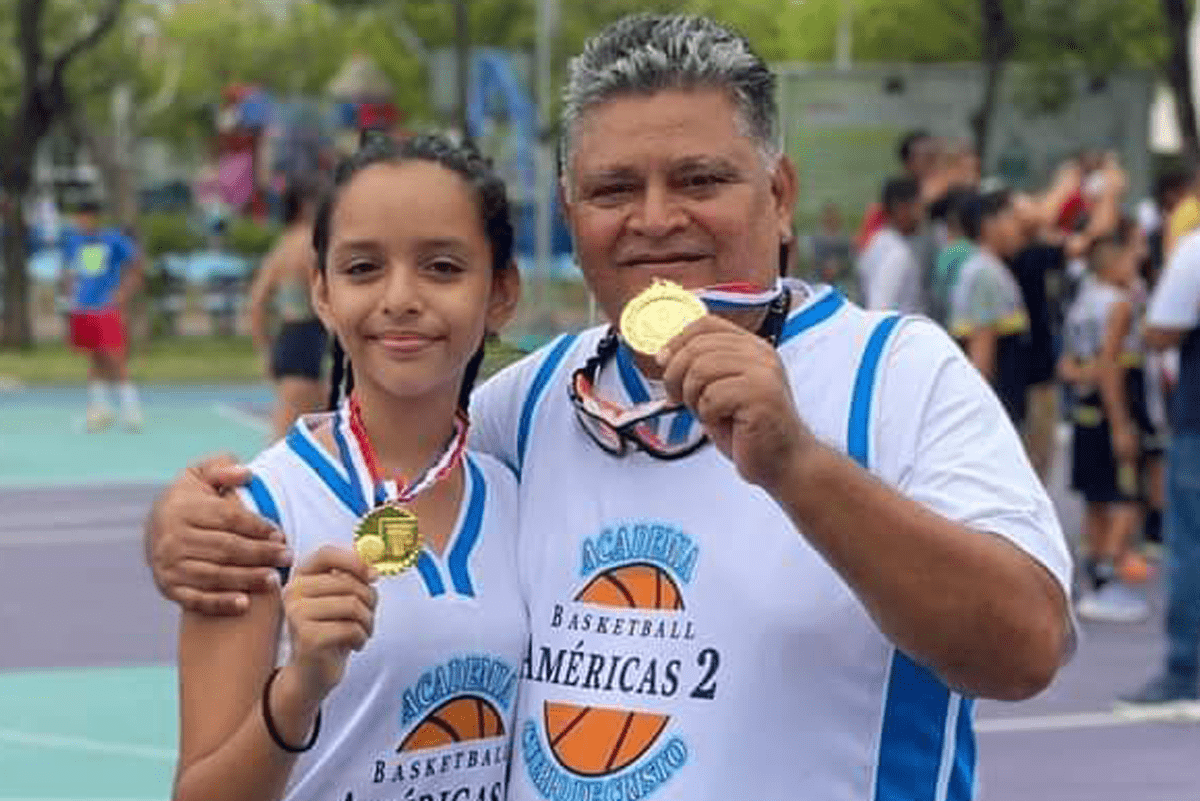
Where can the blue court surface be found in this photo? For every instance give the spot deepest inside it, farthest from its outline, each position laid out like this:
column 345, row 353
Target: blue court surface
column 87, row 688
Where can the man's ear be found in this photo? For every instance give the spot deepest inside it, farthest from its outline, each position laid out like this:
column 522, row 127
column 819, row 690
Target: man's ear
column 785, row 189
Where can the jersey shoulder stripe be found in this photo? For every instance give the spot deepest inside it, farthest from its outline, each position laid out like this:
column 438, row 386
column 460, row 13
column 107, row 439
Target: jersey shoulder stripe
column 537, row 389
column 926, row 741
column 815, row 314
column 460, row 553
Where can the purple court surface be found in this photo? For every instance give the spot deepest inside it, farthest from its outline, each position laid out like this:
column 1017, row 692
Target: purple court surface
column 87, row 693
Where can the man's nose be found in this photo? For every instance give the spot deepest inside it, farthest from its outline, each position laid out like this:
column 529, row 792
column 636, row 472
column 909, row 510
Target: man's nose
column 659, row 212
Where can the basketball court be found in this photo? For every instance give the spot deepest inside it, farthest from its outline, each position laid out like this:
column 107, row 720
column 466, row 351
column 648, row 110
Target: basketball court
column 87, row 691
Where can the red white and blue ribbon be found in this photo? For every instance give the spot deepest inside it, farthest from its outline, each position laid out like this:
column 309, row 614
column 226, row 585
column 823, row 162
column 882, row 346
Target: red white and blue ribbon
column 363, row 465
column 739, row 295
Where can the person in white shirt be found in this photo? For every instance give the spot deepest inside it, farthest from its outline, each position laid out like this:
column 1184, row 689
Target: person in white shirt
column 780, row 558
column 888, row 269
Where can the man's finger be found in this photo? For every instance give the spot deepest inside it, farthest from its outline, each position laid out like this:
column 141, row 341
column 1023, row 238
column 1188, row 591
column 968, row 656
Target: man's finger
column 226, row 514
column 214, row 577
column 226, row 548
column 223, row 604
column 708, row 324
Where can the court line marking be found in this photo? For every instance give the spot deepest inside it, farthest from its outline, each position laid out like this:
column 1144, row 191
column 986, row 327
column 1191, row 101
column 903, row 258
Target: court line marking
column 236, row 415
column 1088, row 720
column 86, row 744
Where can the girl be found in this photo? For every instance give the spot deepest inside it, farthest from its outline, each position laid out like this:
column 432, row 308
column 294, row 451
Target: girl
column 414, row 268
column 293, row 360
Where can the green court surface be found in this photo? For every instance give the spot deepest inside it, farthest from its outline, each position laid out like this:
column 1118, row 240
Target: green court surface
column 106, row 734
column 43, row 441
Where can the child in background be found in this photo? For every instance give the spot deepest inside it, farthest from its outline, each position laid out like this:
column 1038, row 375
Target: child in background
column 103, row 271
column 1103, row 352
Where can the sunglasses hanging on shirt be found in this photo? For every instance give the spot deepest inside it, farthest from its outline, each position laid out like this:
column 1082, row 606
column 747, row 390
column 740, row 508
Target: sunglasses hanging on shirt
column 618, row 429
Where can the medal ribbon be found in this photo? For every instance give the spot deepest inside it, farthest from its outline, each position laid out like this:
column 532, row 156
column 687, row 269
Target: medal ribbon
column 739, row 295
column 396, row 491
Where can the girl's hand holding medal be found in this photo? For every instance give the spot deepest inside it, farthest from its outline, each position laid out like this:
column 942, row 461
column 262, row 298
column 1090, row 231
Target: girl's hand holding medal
column 329, row 604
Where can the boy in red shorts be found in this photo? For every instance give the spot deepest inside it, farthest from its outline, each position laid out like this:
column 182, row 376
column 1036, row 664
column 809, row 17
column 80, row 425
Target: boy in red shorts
column 104, row 269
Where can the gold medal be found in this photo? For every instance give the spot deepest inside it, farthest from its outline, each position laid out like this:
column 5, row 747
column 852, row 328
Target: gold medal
column 657, row 314
column 388, row 539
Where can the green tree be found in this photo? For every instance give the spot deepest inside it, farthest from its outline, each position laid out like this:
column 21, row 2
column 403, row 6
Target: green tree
column 48, row 37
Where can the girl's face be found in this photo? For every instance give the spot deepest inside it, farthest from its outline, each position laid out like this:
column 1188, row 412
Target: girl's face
column 408, row 285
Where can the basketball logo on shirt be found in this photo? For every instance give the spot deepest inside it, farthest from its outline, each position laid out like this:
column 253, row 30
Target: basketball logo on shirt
column 468, row 717
column 452, row 722
column 636, row 647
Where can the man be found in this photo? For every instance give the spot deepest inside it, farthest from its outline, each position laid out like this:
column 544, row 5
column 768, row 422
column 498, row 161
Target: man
column 104, row 270
column 888, row 270
column 756, row 614
column 987, row 315
column 1173, row 321
column 919, row 156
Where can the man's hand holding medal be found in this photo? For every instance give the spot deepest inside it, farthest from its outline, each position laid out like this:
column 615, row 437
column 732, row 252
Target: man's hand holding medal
column 730, row 378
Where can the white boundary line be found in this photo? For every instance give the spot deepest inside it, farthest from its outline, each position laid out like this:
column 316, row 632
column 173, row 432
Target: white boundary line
column 85, row 744
column 1089, row 720
column 246, row 419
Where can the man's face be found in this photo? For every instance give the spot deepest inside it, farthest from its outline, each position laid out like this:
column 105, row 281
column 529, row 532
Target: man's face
column 669, row 186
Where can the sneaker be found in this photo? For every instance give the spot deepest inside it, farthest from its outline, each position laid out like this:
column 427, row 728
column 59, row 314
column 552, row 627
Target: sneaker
column 98, row 418
column 1167, row 697
column 1114, row 603
column 1134, row 568
column 132, row 421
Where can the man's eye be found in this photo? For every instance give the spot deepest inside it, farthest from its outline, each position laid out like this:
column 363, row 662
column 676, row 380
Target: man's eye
column 360, row 267
column 611, row 192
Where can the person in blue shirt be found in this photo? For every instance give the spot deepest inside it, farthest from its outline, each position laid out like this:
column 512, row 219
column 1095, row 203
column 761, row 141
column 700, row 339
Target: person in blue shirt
column 103, row 270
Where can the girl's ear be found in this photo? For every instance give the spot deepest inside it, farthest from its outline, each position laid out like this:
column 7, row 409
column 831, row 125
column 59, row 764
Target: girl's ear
column 318, row 288
column 506, row 294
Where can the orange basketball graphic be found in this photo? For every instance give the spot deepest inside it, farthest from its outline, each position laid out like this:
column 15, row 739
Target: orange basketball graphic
column 636, row 586
column 467, row 717
column 593, row 741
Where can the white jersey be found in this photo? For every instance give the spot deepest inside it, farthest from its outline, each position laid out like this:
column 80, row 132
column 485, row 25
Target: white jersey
column 687, row 642
column 1087, row 321
column 425, row 710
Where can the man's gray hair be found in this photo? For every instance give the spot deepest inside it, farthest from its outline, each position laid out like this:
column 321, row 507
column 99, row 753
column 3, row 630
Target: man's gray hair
column 646, row 53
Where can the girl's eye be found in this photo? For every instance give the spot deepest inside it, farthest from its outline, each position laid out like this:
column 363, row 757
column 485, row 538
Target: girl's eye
column 443, row 267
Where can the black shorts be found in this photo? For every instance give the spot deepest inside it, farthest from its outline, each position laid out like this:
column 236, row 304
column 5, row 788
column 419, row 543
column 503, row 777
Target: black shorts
column 299, row 350
column 1095, row 473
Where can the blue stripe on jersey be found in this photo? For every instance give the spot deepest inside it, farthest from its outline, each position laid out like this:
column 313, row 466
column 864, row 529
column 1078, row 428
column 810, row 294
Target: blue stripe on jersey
column 911, row 740
column 460, row 576
column 680, row 427
column 858, row 438
column 536, row 389
column 321, row 466
column 815, row 314
column 263, row 500
column 348, row 463
column 429, row 574
column 962, row 777
column 630, row 378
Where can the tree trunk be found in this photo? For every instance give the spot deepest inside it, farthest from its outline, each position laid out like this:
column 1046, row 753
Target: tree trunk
column 17, row 329
column 1178, row 72
column 462, row 41
column 998, row 44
